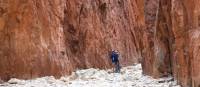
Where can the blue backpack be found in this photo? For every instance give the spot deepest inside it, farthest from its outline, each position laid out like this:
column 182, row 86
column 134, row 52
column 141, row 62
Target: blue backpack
column 114, row 57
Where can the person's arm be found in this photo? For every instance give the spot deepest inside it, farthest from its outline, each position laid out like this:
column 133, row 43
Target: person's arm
column 118, row 55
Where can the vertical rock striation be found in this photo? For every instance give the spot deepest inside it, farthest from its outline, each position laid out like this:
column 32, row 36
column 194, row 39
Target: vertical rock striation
column 56, row 37
column 148, row 63
column 93, row 28
column 32, row 39
column 176, row 41
column 160, row 37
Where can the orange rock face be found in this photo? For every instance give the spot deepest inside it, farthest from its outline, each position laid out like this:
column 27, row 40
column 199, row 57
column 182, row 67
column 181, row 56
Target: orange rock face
column 176, row 41
column 55, row 37
column 150, row 10
column 157, row 61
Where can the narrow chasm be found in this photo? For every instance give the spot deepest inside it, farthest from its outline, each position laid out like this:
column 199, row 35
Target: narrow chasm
column 99, row 43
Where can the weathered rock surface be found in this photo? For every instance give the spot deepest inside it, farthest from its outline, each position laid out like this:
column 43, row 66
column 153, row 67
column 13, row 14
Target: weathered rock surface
column 55, row 37
column 158, row 50
column 176, row 41
column 148, row 64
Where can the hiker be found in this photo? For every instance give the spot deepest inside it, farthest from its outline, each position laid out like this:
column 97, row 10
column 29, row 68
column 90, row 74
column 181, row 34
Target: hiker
column 115, row 61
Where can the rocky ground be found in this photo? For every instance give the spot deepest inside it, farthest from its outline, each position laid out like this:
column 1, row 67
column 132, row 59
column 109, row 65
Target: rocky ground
column 130, row 76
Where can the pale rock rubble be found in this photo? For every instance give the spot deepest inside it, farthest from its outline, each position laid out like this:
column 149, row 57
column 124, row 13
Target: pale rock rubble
column 130, row 76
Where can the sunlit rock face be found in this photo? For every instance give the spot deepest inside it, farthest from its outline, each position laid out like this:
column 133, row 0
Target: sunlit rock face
column 55, row 37
column 32, row 39
column 93, row 28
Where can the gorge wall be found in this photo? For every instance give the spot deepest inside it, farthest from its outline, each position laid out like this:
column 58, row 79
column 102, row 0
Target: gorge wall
column 55, row 37
column 175, row 40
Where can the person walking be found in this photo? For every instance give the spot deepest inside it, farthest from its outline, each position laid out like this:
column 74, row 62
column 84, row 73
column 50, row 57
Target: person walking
column 115, row 61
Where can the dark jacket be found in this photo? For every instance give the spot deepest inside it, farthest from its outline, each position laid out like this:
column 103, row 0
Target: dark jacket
column 114, row 57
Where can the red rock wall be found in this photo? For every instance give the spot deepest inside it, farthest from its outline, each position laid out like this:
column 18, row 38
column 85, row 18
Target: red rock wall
column 180, row 27
column 176, row 41
column 148, row 64
column 99, row 26
column 55, row 37
column 32, row 39
column 158, row 38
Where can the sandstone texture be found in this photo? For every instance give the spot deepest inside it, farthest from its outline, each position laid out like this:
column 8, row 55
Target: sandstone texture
column 157, row 52
column 55, row 37
column 175, row 41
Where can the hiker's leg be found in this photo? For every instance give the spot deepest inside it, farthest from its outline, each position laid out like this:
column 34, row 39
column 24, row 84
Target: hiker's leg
column 119, row 67
column 113, row 67
column 116, row 67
